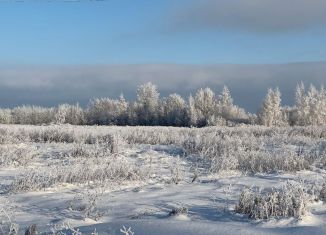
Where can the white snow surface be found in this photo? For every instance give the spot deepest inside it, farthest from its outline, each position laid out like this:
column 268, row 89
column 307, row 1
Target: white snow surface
column 145, row 206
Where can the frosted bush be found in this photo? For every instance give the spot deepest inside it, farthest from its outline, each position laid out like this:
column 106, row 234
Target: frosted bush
column 126, row 231
column 177, row 172
column 112, row 142
column 87, row 202
column 81, row 171
column 292, row 200
column 17, row 155
column 67, row 229
column 249, row 149
column 53, row 134
column 154, row 135
column 7, row 224
column 268, row 162
column 12, row 136
column 179, row 210
column 87, row 151
column 60, row 135
column 252, row 150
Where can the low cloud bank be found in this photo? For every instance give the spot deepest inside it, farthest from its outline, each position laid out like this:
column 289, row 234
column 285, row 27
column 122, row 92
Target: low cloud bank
column 50, row 85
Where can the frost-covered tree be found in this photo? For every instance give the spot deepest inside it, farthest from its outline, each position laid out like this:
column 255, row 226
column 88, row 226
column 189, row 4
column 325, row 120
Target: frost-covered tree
column 277, row 117
column 191, row 112
column 310, row 107
column 132, row 114
column 204, row 109
column 271, row 110
column 317, row 106
column 72, row 114
column 225, row 97
column 123, row 111
column 104, row 111
column 227, row 110
column 61, row 114
column 289, row 115
column 225, row 103
column 75, row 115
column 5, row 116
column 175, row 113
column 205, row 105
column 265, row 114
column 33, row 115
column 147, row 104
column 322, row 106
column 302, row 105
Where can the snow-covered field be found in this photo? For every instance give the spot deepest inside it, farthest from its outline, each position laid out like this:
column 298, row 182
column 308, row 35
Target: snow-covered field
column 158, row 180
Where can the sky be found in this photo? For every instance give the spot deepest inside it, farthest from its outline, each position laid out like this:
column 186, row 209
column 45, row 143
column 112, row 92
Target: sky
column 46, row 42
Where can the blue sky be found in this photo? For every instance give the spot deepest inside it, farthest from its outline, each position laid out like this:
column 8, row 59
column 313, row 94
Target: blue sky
column 52, row 51
column 146, row 31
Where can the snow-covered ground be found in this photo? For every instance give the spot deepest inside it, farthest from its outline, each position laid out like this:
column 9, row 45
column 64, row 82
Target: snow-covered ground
column 169, row 179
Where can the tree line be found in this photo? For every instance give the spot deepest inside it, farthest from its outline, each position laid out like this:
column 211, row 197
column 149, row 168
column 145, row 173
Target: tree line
column 205, row 108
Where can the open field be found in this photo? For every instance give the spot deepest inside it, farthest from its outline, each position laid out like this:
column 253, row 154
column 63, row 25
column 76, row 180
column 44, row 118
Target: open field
column 163, row 180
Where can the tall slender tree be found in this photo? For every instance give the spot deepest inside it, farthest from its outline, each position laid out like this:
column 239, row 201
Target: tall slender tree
column 271, row 111
column 147, row 104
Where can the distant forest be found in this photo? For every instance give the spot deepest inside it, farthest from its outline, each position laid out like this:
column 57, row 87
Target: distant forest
column 205, row 108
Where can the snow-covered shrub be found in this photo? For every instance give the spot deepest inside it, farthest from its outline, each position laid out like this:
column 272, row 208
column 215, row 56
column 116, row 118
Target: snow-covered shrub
column 7, row 225
column 86, row 202
column 154, row 135
column 53, row 134
column 126, row 231
column 244, row 148
column 16, row 155
column 113, row 168
column 177, row 172
column 12, row 136
column 61, row 134
column 67, row 229
column 80, row 150
column 103, row 147
column 269, row 162
column 112, row 142
column 179, row 210
column 292, row 200
column 254, row 149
